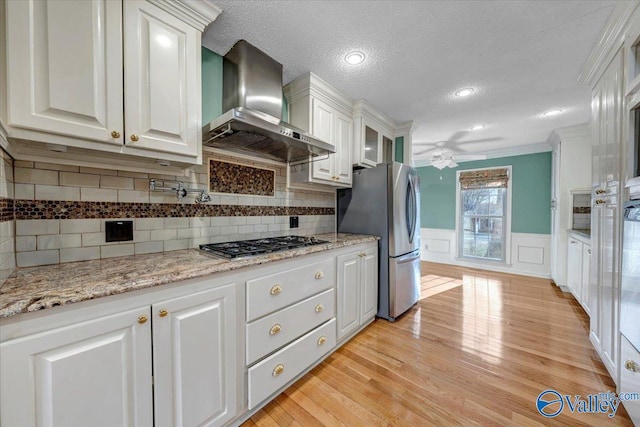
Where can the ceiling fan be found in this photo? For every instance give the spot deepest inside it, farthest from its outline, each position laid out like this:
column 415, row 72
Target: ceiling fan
column 444, row 153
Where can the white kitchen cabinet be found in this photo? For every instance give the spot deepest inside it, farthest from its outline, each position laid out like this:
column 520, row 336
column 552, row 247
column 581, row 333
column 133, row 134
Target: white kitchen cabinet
column 604, row 286
column 122, row 77
column 630, row 378
column 357, row 287
column 194, row 363
column 321, row 110
column 578, row 264
column 373, row 141
column 93, row 372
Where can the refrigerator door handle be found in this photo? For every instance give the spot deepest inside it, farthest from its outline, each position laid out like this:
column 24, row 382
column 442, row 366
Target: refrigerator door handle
column 408, row 209
column 414, row 211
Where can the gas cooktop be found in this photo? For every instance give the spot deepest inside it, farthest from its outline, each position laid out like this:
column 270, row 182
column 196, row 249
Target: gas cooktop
column 245, row 248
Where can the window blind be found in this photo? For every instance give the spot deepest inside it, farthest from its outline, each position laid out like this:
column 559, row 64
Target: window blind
column 486, row 178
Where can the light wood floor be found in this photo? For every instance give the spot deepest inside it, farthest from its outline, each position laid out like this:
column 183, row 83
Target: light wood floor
column 477, row 349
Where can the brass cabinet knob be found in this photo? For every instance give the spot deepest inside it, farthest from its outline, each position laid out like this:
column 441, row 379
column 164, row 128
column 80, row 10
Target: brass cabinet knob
column 600, row 191
column 163, row 313
column 632, row 366
column 322, row 340
column 142, row 319
column 319, row 275
column 319, row 308
column 134, row 138
column 275, row 329
column 600, row 202
column 278, row 370
column 275, row 289
column 115, row 134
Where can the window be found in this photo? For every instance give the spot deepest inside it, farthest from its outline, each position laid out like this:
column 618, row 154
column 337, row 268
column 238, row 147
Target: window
column 483, row 214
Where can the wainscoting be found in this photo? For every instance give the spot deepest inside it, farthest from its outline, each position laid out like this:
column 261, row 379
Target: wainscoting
column 529, row 252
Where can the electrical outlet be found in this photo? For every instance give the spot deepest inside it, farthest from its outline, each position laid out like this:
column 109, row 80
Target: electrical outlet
column 293, row 222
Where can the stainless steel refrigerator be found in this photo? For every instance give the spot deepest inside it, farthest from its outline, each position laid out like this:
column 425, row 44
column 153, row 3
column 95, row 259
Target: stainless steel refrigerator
column 385, row 201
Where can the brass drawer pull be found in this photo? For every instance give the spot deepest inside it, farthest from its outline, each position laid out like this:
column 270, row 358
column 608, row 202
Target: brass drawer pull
column 278, row 370
column 163, row 313
column 600, row 202
column 142, row 319
column 632, row 366
column 319, row 308
column 319, row 275
column 600, row 191
column 322, row 340
column 275, row 329
column 275, row 289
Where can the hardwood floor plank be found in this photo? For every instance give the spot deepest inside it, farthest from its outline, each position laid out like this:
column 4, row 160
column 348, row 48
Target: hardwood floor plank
column 476, row 350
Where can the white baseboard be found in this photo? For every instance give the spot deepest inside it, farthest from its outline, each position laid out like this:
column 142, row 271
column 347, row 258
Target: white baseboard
column 529, row 253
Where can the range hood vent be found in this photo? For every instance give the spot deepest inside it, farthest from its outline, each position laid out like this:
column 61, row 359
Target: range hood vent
column 252, row 99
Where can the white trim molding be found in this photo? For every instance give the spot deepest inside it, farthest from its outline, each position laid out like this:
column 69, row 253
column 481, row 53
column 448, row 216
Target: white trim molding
column 530, row 253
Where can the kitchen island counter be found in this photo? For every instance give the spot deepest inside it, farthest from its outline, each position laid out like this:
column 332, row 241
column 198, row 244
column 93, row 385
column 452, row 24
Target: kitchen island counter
column 37, row 288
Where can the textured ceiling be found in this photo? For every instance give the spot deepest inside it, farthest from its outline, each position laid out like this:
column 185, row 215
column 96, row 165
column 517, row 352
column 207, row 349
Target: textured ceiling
column 523, row 57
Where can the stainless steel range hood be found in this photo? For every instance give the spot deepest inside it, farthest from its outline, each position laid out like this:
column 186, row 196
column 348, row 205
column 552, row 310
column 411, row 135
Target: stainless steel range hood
column 252, row 99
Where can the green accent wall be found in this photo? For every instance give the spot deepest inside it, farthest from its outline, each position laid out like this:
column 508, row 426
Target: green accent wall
column 212, row 87
column 530, row 191
column 399, row 154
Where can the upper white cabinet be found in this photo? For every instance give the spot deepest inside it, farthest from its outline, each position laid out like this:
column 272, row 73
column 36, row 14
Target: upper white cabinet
column 374, row 136
column 321, row 110
column 108, row 75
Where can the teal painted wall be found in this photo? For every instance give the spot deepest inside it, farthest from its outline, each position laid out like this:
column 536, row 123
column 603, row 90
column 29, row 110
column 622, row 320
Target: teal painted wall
column 530, row 191
column 212, row 87
column 399, row 154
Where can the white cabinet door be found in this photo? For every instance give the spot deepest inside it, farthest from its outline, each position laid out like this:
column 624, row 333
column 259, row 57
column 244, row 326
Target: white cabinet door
column 65, row 67
column 609, row 298
column 343, row 143
column 323, row 128
column 194, row 358
column 348, row 286
column 92, row 373
column 369, row 279
column 161, row 80
column 586, row 268
column 574, row 267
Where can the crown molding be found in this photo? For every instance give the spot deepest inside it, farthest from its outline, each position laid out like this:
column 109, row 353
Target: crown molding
column 611, row 39
column 405, row 128
column 362, row 107
column 197, row 13
column 310, row 84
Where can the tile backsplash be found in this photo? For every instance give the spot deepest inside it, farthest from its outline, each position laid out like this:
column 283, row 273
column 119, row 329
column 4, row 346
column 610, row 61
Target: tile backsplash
column 581, row 212
column 61, row 211
column 7, row 223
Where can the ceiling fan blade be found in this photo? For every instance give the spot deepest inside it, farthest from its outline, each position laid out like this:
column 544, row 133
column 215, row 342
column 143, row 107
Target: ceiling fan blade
column 428, row 150
column 458, row 135
column 474, row 141
column 470, row 157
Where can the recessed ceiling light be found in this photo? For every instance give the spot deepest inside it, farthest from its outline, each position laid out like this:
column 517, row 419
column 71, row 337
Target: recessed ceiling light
column 477, row 127
column 464, row 92
column 354, row 58
column 553, row 112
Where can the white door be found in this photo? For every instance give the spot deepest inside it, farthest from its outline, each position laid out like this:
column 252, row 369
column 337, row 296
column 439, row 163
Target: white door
column 92, row 373
column 369, row 279
column 162, row 80
column 348, row 293
column 71, row 83
column 343, row 142
column 194, row 359
column 323, row 128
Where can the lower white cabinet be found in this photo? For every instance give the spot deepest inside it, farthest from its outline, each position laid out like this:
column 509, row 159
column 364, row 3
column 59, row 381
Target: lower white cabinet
column 97, row 371
column 578, row 269
column 357, row 288
column 194, row 361
column 94, row 372
column 630, row 378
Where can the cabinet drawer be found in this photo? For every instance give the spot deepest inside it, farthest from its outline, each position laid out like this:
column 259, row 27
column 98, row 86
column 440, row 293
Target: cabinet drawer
column 277, row 329
column 271, row 293
column 278, row 369
column 630, row 378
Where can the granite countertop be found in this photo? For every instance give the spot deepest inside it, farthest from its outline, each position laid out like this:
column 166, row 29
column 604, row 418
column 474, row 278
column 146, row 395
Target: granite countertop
column 581, row 232
column 38, row 288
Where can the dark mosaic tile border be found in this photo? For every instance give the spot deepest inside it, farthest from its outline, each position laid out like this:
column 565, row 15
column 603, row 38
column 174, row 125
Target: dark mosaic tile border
column 582, row 210
column 6, row 209
column 234, row 178
column 56, row 209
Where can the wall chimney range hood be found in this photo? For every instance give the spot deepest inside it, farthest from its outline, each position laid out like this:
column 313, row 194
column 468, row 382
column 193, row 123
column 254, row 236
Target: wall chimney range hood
column 252, row 99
